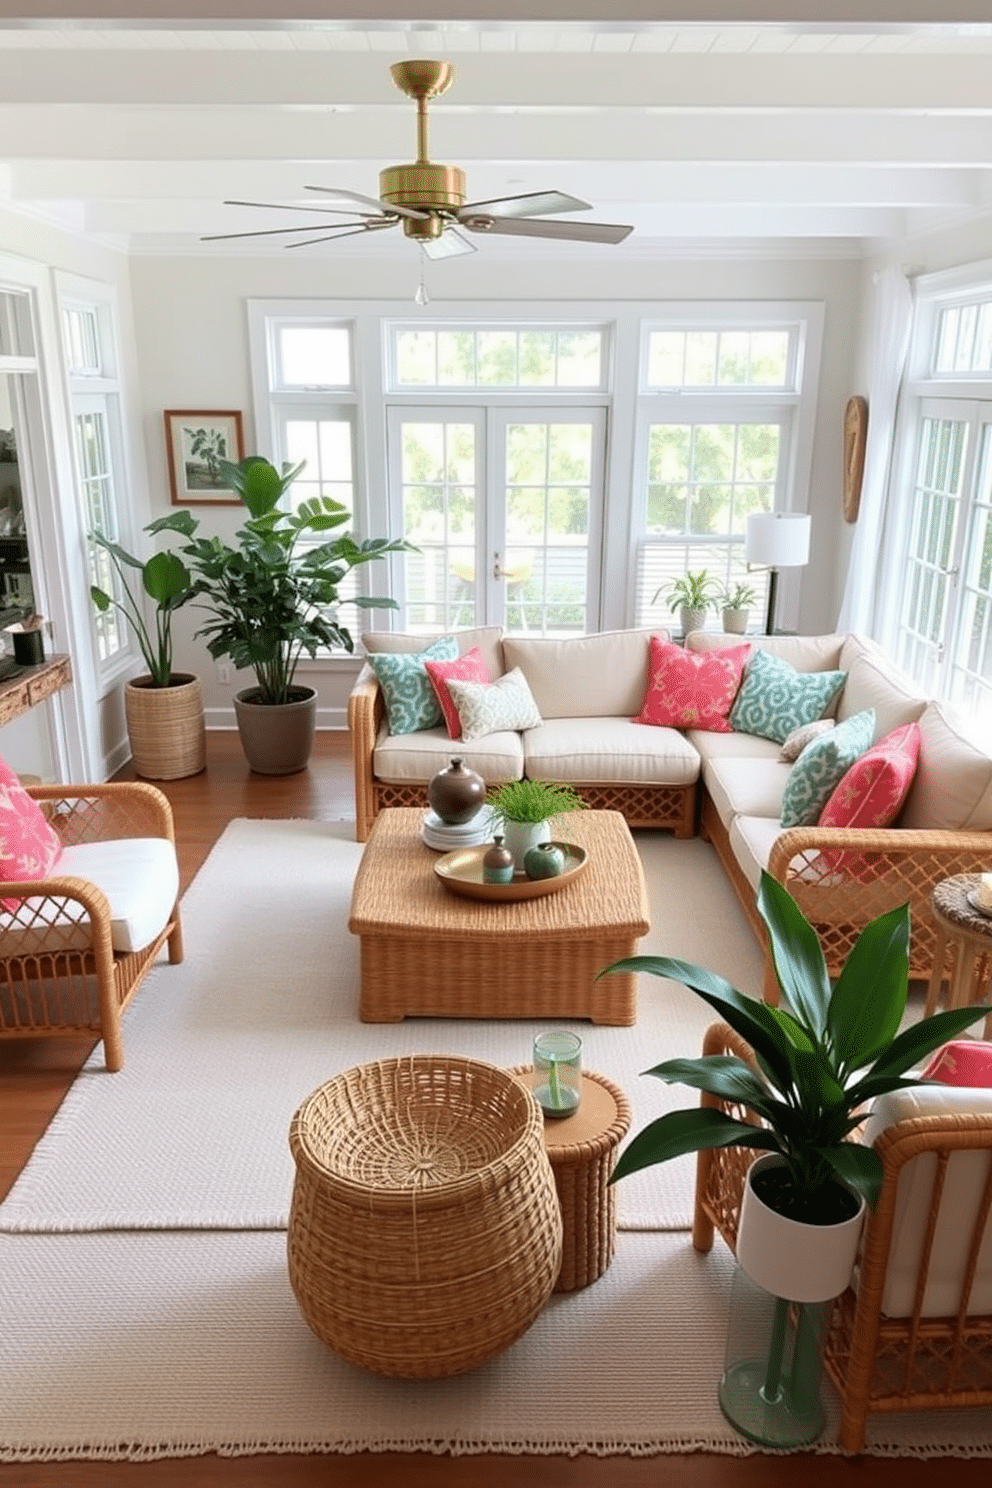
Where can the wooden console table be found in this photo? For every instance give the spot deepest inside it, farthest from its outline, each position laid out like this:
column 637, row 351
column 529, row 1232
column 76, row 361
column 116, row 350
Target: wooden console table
column 32, row 685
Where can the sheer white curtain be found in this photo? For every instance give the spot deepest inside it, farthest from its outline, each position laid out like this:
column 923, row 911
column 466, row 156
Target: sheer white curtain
column 892, row 322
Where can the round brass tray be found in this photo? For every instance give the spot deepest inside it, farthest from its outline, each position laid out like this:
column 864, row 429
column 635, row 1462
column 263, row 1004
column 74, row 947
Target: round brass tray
column 461, row 873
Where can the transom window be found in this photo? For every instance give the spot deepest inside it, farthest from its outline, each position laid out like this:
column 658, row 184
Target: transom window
column 501, row 357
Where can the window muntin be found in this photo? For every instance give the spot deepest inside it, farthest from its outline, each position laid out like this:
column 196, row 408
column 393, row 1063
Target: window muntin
column 963, row 340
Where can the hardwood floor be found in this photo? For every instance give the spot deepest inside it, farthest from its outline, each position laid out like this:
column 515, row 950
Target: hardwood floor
column 35, row 1075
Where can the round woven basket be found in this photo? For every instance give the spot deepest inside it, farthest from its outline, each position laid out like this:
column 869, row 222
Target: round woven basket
column 425, row 1232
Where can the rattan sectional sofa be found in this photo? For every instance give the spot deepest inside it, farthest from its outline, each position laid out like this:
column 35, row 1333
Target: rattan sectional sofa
column 728, row 786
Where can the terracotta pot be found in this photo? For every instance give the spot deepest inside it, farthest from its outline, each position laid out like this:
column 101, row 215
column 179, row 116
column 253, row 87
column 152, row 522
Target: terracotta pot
column 276, row 737
column 165, row 726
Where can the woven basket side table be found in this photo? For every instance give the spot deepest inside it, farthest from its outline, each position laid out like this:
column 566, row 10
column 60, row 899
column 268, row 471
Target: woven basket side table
column 964, row 938
column 583, row 1153
column 424, row 1232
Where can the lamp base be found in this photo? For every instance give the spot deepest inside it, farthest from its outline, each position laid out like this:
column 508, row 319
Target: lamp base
column 772, row 595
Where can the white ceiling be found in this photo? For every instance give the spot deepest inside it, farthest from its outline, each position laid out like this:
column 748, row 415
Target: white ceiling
column 705, row 137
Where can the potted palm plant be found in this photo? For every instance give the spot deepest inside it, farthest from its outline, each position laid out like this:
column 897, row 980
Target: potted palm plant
column 271, row 596
column 163, row 709
column 822, row 1055
column 522, row 811
column 692, row 596
column 735, row 607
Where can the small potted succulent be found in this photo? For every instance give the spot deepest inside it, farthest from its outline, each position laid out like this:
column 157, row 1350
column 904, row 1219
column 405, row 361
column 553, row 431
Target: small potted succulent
column 735, row 607
column 692, row 596
column 522, row 809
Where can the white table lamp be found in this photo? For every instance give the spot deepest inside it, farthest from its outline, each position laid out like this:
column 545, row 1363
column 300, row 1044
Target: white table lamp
column 776, row 540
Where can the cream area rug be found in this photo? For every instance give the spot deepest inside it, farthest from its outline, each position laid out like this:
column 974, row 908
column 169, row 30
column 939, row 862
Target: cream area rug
column 220, row 1051
column 146, row 1311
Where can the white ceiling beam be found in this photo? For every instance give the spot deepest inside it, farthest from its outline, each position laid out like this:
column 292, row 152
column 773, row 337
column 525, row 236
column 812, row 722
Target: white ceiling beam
column 912, row 82
column 138, row 134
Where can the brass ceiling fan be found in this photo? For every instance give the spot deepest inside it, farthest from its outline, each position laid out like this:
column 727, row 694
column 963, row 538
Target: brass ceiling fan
column 429, row 199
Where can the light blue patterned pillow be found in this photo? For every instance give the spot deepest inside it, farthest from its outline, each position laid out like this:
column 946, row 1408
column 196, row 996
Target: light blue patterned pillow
column 411, row 702
column 822, row 765
column 775, row 699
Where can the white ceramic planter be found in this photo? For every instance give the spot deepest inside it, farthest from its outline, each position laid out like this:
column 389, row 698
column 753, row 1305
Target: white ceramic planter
column 518, row 837
column 800, row 1262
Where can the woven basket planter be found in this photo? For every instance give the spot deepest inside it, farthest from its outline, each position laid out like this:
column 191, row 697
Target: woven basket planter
column 425, row 1233
column 165, row 726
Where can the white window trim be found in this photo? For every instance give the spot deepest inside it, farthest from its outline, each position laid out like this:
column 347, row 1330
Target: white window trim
column 372, row 319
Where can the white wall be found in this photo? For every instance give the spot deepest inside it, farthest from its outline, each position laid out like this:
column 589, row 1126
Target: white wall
column 190, row 322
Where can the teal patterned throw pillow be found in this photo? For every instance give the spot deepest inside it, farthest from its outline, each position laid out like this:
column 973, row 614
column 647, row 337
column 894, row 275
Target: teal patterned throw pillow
column 775, row 699
column 411, row 702
column 822, row 765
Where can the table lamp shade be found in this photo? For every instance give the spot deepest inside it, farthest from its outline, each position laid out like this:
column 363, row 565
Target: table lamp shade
column 778, row 539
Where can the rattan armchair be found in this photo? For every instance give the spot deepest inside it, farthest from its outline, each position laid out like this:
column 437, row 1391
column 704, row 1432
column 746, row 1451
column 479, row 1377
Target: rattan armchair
column 881, row 1362
column 63, row 966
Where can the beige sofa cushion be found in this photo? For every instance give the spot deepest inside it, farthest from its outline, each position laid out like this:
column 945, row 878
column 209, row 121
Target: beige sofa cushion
column 605, row 751
column 488, row 638
column 751, row 841
column 731, row 746
column 746, row 787
column 414, row 758
column 594, row 676
column 873, row 682
column 805, row 653
column 953, row 784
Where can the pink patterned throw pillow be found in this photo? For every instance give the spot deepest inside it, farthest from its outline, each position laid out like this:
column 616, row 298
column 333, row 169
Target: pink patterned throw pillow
column 872, row 792
column 688, row 689
column 965, row 1062
column 467, row 668
column 29, row 846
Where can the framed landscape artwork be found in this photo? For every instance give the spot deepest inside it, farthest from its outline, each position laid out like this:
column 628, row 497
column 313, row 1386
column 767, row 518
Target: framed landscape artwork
column 196, row 441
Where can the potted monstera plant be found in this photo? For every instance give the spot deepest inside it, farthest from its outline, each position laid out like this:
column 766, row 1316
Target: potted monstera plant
column 163, row 708
column 824, row 1053
column 271, row 596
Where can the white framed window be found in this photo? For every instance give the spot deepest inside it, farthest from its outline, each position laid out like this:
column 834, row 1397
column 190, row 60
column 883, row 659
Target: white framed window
column 500, row 444
column 941, row 528
column 720, row 434
column 90, row 351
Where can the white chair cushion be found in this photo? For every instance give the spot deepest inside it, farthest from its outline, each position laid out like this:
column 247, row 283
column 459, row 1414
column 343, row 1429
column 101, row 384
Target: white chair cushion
column 966, row 1174
column 140, row 877
column 609, row 751
column 594, row 676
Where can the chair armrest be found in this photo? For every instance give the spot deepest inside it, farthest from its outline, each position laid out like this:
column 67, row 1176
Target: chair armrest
column 99, row 813
column 721, row 1171
column 366, row 710
column 27, row 933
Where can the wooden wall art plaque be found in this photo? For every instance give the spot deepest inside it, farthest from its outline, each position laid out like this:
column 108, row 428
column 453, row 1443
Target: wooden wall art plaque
column 855, row 435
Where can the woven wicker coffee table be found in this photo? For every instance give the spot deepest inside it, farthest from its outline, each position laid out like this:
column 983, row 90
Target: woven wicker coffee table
column 426, row 952
column 582, row 1150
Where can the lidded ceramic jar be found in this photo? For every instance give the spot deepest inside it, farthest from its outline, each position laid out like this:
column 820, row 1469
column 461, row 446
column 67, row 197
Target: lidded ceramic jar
column 544, row 860
column 456, row 792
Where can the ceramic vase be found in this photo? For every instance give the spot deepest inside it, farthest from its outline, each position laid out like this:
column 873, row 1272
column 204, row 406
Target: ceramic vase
column 456, row 792
column 544, row 860
column 521, row 836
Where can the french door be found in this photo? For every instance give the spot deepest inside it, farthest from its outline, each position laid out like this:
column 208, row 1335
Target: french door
column 505, row 508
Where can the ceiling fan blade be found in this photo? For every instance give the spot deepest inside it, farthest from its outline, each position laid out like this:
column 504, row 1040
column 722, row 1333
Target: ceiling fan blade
column 450, row 244
column 296, row 207
column 370, row 201
column 533, row 204
column 531, row 227
column 345, row 230
column 278, row 232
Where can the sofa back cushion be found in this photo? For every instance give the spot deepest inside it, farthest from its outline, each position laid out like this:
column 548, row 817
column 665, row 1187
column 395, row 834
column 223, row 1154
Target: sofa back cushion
column 593, row 676
column 805, row 653
column 873, row 682
column 952, row 788
column 488, row 638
